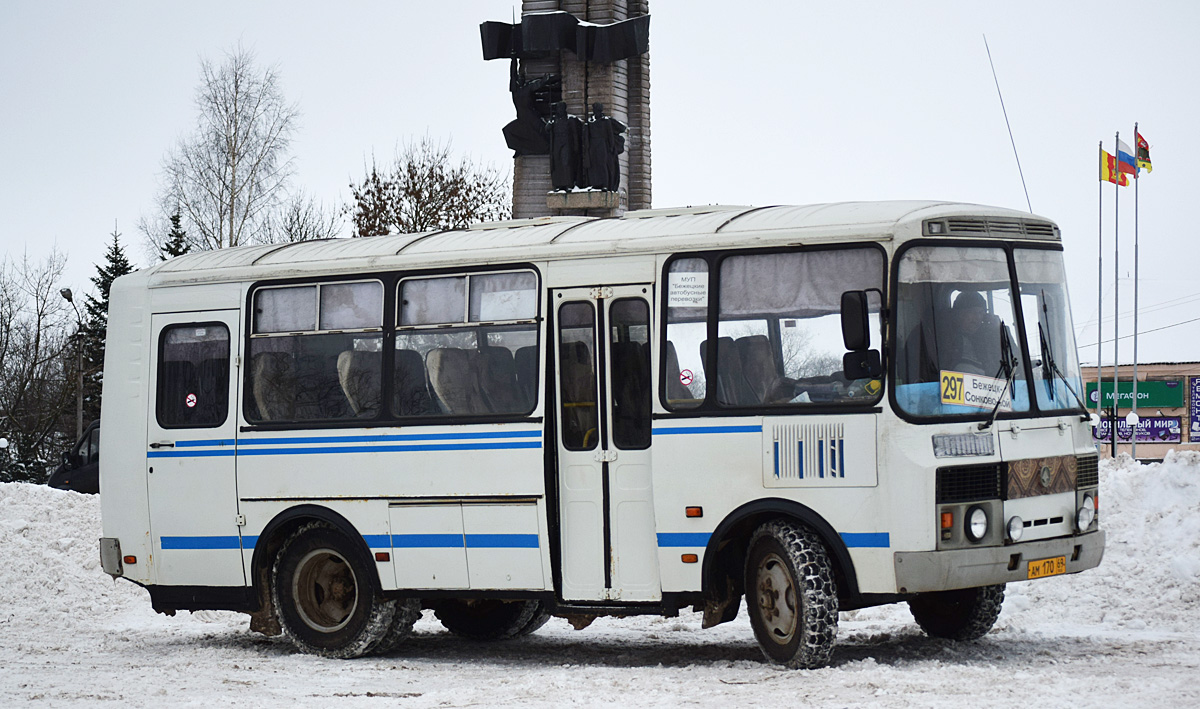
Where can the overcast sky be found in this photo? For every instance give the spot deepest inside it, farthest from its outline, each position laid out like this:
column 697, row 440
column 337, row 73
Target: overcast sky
column 751, row 103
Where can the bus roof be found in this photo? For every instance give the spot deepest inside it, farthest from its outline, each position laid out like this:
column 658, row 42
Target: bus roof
column 691, row 228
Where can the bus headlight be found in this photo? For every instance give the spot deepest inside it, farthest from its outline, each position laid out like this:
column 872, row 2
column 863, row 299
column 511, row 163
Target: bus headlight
column 976, row 523
column 1086, row 514
column 1016, row 527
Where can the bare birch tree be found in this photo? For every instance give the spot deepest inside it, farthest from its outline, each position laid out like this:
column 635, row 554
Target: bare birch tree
column 231, row 173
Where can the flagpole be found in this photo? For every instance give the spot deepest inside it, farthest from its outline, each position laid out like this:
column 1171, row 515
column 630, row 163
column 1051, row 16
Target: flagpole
column 1136, row 174
column 1100, row 291
column 1116, row 297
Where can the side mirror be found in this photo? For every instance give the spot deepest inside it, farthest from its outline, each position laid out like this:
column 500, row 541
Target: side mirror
column 862, row 364
column 855, row 324
column 66, row 460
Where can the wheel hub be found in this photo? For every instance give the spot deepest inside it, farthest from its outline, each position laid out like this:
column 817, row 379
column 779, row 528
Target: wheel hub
column 776, row 598
column 325, row 590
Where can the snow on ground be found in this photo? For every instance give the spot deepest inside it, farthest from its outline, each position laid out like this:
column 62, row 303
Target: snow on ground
column 1125, row 632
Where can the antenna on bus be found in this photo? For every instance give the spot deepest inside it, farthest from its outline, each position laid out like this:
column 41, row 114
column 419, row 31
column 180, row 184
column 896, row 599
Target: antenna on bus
column 1007, row 124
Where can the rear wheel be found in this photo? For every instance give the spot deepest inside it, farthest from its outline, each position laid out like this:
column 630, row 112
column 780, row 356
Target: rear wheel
column 327, row 596
column 791, row 595
column 490, row 619
column 962, row 614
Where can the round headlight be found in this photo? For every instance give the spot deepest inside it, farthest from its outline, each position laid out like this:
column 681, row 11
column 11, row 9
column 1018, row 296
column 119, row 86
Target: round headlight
column 977, row 523
column 1016, row 527
column 1086, row 514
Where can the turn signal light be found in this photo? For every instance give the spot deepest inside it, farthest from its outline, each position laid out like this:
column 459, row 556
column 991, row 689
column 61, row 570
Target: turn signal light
column 693, row 511
column 130, row 559
column 382, row 556
column 947, row 520
column 689, row 558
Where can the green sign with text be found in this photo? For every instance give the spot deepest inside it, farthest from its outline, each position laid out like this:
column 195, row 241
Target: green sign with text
column 1161, row 394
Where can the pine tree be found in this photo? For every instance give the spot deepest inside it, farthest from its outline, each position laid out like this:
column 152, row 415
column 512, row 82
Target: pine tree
column 95, row 326
column 176, row 243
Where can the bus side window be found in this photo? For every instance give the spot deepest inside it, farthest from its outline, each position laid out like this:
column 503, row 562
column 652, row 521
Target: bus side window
column 193, row 376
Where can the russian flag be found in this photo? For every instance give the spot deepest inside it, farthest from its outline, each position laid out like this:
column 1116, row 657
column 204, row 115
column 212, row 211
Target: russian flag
column 1126, row 162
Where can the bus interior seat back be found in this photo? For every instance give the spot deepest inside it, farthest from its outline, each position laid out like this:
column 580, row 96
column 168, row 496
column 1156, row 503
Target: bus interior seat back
column 631, row 384
column 274, row 385
column 497, row 372
column 411, row 396
column 455, row 382
column 758, row 367
column 358, row 375
column 178, row 380
column 213, row 385
column 732, row 387
column 525, row 361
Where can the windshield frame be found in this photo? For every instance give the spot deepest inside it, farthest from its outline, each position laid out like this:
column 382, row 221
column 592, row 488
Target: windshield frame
column 893, row 340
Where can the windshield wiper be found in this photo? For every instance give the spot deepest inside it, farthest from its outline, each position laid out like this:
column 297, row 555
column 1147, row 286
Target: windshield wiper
column 1049, row 364
column 1008, row 367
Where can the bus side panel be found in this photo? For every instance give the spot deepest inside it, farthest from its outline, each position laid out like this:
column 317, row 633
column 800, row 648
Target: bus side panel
column 123, row 497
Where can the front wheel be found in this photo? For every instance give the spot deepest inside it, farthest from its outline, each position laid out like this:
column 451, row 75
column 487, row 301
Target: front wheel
column 962, row 614
column 327, row 598
column 791, row 595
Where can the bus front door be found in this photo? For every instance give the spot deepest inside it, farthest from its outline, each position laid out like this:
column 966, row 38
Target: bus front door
column 191, row 444
column 605, row 496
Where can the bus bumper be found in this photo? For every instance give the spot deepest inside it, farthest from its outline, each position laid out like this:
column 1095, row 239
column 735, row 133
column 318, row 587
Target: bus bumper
column 920, row 571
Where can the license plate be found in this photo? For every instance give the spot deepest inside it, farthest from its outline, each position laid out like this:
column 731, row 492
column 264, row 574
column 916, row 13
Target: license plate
column 1041, row 568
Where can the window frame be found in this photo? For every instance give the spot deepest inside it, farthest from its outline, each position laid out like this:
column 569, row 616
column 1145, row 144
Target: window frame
column 710, row 406
column 158, row 376
column 391, row 280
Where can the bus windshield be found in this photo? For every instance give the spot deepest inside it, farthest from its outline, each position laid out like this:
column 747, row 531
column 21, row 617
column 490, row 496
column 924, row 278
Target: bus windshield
column 956, row 325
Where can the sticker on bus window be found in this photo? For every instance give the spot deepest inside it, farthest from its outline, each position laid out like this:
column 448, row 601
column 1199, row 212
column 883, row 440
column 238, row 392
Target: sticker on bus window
column 685, row 377
column 974, row 390
column 190, row 401
column 687, row 290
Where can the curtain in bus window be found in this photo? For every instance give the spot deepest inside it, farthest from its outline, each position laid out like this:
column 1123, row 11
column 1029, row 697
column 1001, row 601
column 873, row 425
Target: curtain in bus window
column 193, row 376
column 350, row 306
column 285, row 309
column 431, row 301
column 800, row 284
column 503, row 296
column 687, row 329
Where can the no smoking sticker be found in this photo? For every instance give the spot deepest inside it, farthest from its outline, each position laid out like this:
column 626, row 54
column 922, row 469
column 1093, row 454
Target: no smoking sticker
column 190, row 401
column 685, row 377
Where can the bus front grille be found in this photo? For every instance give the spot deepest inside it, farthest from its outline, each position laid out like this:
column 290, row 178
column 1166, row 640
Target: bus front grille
column 968, row 483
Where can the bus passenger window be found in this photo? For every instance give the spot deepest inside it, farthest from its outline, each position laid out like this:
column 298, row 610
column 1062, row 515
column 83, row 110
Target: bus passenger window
column 193, row 376
column 687, row 331
column 316, row 352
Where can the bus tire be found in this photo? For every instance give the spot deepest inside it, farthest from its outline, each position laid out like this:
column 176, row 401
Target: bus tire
column 791, row 595
column 408, row 611
column 490, row 619
column 962, row 614
column 326, row 596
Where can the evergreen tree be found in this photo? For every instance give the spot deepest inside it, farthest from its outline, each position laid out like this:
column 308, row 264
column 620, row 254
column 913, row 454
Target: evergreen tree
column 176, row 243
column 95, row 326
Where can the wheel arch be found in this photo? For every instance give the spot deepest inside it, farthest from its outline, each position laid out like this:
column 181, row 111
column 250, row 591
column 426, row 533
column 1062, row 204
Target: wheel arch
column 271, row 539
column 725, row 553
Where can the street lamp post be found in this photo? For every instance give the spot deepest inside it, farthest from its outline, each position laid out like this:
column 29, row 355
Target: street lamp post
column 70, row 298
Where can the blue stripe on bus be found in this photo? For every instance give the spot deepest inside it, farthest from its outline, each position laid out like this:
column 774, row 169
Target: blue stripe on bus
column 247, row 441
column 232, row 542
column 377, row 541
column 706, row 429
column 683, row 539
column 502, row 541
column 211, row 442
column 874, row 540
column 393, row 449
column 427, row 541
column 219, row 452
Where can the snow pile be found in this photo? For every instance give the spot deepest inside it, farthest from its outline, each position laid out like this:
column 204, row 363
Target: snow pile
column 1150, row 576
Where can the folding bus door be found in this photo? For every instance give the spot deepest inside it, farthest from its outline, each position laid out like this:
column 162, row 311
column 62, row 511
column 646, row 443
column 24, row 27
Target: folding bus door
column 606, row 506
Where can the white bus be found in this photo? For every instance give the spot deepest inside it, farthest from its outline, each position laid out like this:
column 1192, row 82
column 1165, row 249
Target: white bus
column 816, row 408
